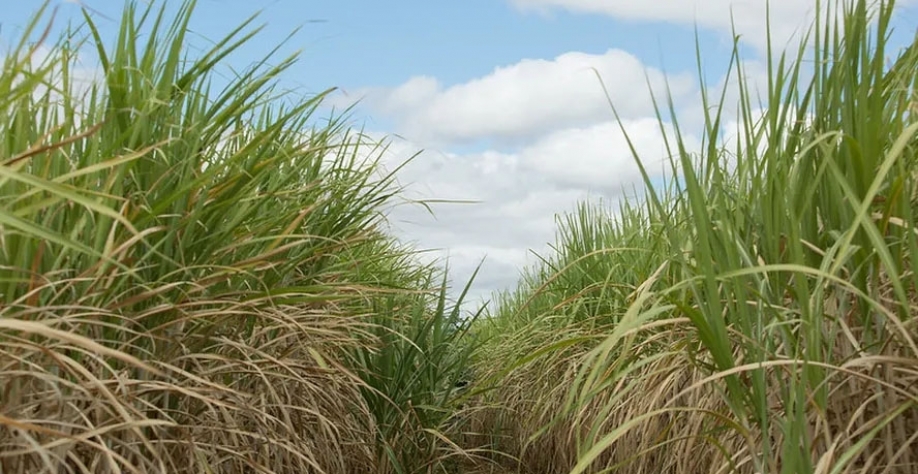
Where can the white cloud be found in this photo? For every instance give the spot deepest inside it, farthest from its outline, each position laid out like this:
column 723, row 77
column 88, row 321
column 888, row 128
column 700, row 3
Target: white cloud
column 39, row 71
column 44, row 64
column 553, row 142
column 518, row 194
column 599, row 157
column 526, row 99
column 788, row 17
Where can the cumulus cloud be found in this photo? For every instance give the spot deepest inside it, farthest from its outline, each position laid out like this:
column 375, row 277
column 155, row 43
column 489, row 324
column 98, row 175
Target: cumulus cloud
column 524, row 100
column 550, row 137
column 599, row 157
column 45, row 63
column 789, row 17
column 41, row 70
column 515, row 196
column 550, row 141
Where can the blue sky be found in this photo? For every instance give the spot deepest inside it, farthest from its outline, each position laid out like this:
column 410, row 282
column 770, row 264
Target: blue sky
column 355, row 43
column 499, row 94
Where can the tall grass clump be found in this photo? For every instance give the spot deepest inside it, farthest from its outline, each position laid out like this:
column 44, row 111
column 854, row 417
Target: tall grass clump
column 195, row 274
column 754, row 315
